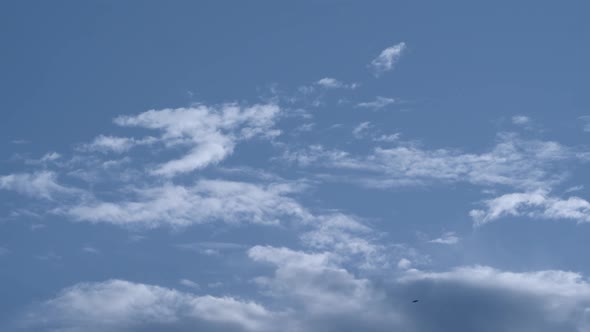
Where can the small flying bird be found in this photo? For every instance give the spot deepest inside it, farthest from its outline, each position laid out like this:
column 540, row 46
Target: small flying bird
column 414, row 301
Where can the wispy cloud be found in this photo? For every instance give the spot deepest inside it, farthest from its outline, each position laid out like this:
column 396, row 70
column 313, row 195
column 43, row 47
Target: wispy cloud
column 203, row 202
column 520, row 120
column 378, row 103
column 41, row 184
column 332, row 83
column 586, row 120
column 387, row 59
column 190, row 284
column 115, row 144
column 512, row 162
column 446, row 238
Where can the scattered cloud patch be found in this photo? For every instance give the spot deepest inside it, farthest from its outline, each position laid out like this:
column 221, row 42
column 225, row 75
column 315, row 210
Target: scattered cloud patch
column 208, row 133
column 520, row 120
column 446, row 238
column 332, row 83
column 189, row 283
column 387, row 59
column 378, row 103
column 42, row 184
column 115, row 144
column 512, row 162
column 535, row 204
column 360, row 130
column 203, row 202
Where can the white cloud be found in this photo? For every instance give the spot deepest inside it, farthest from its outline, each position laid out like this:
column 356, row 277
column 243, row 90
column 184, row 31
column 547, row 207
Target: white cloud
column 446, row 238
column 359, row 130
column 115, row 144
column 551, row 283
column 189, row 283
column 346, row 238
column 512, row 162
column 586, row 119
column 387, row 59
column 42, row 184
column 536, row 204
column 404, row 264
column 520, row 120
column 118, row 306
column 91, row 250
column 378, row 103
column 332, row 83
column 328, row 296
column 203, row 202
column 50, row 156
column 387, row 138
column 209, row 133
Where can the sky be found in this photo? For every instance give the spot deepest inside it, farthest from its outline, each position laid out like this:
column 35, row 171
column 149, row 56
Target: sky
column 261, row 166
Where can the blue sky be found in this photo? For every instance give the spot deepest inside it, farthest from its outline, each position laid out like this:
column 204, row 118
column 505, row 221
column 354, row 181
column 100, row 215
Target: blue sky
column 294, row 166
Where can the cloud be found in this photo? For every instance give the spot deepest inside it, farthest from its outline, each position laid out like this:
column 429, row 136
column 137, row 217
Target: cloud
column 118, row 306
column 481, row 298
column 446, row 238
column 378, row 103
column 404, row 264
column 203, row 202
column 42, row 184
column 535, row 204
column 346, row 238
column 332, row 83
column 189, row 284
column 208, row 133
column 328, row 297
column 51, row 156
column 359, row 131
column 311, row 291
column 91, row 250
column 586, row 120
column 210, row 248
column 520, row 120
column 512, row 162
column 115, row 144
column 387, row 59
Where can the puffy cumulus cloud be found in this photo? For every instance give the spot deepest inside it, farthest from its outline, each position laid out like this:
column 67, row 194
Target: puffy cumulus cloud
column 311, row 291
column 534, row 204
column 122, row 306
column 481, row 298
column 323, row 295
column 205, row 201
column 512, row 162
column 387, row 59
column 42, row 184
column 209, row 133
column 115, row 144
